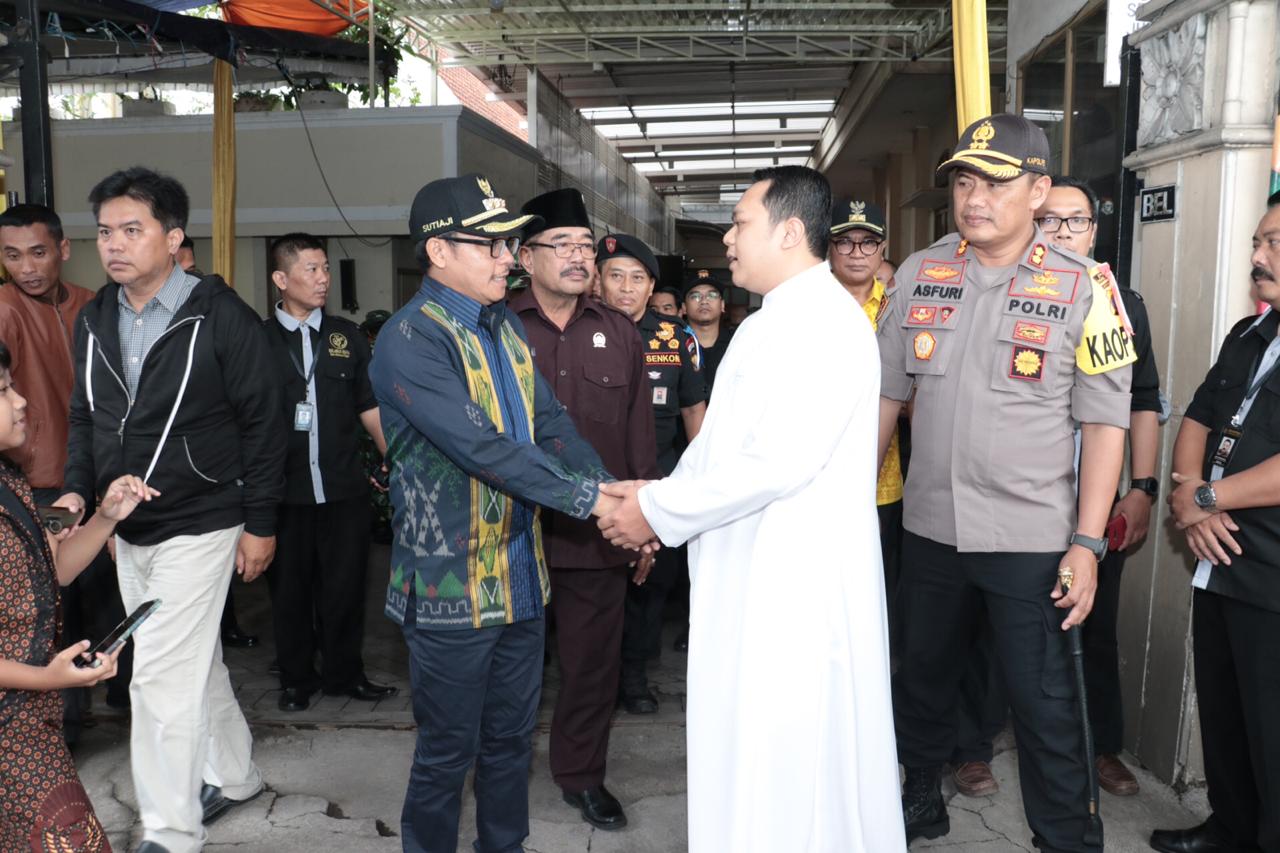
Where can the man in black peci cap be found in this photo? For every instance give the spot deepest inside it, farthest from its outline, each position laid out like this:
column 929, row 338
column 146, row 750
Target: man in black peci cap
column 591, row 357
column 628, row 271
column 476, row 440
column 1006, row 341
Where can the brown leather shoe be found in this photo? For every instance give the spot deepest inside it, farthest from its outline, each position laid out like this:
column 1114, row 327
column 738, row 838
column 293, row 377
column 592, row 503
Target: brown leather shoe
column 1115, row 778
column 974, row 779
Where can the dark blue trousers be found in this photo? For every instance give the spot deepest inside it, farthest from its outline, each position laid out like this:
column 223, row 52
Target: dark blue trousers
column 475, row 700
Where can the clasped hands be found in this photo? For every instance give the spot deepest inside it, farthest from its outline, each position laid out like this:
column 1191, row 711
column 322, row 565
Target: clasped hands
column 619, row 517
column 1208, row 532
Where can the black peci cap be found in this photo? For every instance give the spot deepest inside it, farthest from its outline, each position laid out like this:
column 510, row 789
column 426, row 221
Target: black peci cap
column 556, row 209
column 465, row 204
column 848, row 214
column 626, row 246
column 1001, row 147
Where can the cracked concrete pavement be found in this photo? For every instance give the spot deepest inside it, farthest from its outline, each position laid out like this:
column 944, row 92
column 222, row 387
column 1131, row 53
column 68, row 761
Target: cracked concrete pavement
column 336, row 773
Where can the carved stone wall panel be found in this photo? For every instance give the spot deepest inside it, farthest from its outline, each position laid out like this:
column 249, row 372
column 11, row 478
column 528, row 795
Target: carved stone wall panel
column 1173, row 83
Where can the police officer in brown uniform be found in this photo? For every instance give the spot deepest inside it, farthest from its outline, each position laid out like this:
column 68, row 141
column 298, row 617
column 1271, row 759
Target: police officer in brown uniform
column 590, row 355
column 1006, row 341
column 628, row 272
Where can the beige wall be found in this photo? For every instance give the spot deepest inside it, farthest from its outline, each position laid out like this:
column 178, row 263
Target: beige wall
column 374, row 161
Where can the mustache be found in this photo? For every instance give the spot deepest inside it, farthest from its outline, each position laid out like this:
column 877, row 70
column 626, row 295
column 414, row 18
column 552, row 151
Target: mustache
column 579, row 269
column 1259, row 274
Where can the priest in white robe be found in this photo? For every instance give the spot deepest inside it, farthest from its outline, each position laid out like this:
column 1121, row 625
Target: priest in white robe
column 790, row 726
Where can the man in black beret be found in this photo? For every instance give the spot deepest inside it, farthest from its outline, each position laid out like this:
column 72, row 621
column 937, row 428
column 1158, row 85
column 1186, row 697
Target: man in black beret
column 590, row 355
column 628, row 271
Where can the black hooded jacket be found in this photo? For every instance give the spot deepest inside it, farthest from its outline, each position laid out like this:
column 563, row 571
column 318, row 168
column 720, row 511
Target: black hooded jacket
column 220, row 460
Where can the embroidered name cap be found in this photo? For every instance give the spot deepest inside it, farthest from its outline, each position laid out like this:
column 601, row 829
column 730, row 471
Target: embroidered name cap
column 1002, row 147
column 848, row 214
column 467, row 204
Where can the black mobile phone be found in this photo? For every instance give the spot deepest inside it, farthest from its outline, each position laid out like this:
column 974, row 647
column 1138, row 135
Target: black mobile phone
column 118, row 635
column 57, row 518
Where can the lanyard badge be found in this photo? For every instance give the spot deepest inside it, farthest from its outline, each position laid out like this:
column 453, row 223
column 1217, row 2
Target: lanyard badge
column 1227, row 444
column 303, row 416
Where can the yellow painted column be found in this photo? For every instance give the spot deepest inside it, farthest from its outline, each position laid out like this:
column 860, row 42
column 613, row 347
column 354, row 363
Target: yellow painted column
column 224, row 172
column 972, row 61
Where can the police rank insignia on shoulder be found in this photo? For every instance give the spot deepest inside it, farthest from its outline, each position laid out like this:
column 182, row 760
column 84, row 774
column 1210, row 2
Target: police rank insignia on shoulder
column 1027, row 363
column 923, row 345
column 1107, row 340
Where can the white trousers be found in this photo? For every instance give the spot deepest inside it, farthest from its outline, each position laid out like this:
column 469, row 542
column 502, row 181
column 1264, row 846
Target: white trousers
column 187, row 726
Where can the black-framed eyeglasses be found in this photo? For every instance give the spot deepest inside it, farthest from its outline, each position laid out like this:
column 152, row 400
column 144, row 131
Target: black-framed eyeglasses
column 866, row 248
column 566, row 250
column 1075, row 224
column 705, row 296
column 512, row 244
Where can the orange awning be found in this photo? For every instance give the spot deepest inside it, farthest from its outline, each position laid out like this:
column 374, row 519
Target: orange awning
column 302, row 16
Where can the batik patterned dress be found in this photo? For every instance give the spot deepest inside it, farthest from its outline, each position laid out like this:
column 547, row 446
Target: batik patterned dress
column 43, row 806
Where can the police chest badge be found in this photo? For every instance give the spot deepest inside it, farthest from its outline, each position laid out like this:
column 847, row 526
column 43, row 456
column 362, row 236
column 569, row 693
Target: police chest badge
column 1107, row 340
column 597, row 340
column 338, row 346
column 1027, row 363
column 923, row 345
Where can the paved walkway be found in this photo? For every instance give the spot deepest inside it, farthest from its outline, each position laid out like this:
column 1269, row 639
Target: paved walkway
column 336, row 773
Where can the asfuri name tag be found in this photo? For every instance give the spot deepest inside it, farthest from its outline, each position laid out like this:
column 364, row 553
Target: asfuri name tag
column 303, row 414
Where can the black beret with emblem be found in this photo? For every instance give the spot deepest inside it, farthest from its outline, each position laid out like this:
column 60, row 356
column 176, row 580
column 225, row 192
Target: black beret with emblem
column 556, row 209
column 1001, row 147
column 466, row 204
column 848, row 214
column 626, row 246
column 699, row 277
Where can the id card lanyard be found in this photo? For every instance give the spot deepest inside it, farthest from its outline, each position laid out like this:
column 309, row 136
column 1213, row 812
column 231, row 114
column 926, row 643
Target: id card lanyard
column 1232, row 433
column 304, row 413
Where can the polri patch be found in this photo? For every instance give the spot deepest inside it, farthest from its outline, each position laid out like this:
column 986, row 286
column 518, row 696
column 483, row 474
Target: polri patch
column 923, row 345
column 1027, row 363
column 922, row 315
column 1032, row 333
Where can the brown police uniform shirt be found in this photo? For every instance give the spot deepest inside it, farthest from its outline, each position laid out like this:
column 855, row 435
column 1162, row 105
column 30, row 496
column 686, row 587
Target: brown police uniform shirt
column 595, row 366
column 992, row 356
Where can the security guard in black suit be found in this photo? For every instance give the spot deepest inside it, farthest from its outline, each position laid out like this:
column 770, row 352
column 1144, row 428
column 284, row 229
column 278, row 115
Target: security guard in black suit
column 1226, row 467
column 317, row 579
column 628, row 271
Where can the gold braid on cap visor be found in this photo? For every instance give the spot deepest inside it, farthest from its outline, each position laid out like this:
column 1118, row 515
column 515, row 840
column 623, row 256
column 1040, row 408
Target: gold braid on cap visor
column 978, row 159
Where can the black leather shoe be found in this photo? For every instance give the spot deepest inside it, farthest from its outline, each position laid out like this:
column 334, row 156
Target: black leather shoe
column 234, row 638
column 599, row 808
column 366, row 691
column 923, row 811
column 1205, row 838
column 633, row 691
column 150, row 847
column 682, row 640
column 215, row 805
column 295, row 699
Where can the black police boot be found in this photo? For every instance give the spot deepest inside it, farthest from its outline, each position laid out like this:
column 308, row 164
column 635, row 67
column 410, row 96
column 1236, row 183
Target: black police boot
column 923, row 811
column 633, row 689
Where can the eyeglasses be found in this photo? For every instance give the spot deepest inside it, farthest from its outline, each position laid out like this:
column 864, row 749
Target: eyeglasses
column 566, row 250
column 866, row 248
column 1075, row 224
column 705, row 296
column 512, row 244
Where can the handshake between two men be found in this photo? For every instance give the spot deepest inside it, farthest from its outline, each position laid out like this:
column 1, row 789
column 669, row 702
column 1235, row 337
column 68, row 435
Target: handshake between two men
column 622, row 522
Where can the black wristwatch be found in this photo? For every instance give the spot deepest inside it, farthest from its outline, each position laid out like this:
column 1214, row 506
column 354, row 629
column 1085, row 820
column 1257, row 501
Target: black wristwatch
column 1097, row 546
column 1150, row 485
column 1206, row 498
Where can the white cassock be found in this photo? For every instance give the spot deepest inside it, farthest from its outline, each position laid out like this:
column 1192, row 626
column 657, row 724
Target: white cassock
column 790, row 727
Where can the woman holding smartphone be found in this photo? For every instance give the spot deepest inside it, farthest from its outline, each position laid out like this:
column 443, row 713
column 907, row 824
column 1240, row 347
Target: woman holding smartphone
column 43, row 806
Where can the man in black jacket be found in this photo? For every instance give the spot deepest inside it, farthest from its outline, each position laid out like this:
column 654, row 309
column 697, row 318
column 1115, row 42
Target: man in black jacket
column 1226, row 464
column 170, row 385
column 318, row 578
